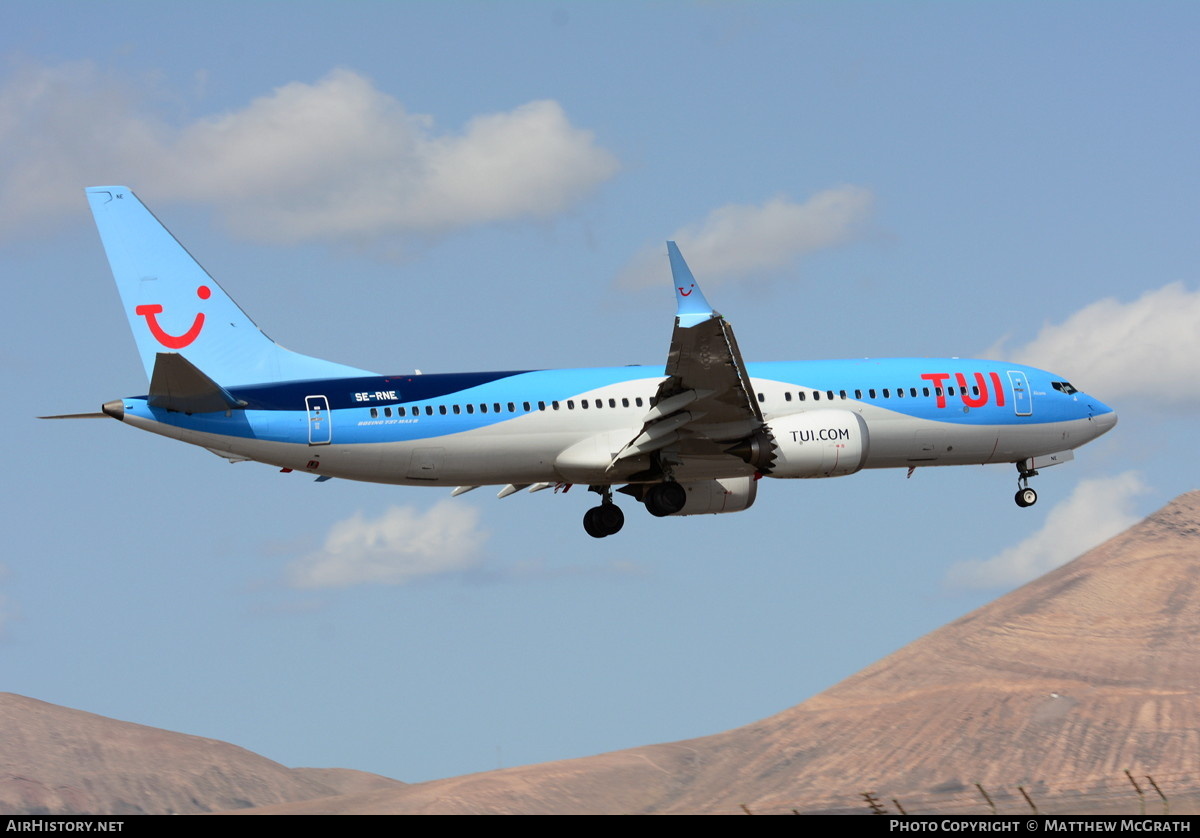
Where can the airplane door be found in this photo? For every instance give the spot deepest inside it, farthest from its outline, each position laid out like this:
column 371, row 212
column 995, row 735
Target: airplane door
column 320, row 428
column 1021, row 397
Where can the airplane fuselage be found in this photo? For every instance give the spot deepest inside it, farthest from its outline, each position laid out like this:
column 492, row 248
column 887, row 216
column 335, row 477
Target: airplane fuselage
column 515, row 427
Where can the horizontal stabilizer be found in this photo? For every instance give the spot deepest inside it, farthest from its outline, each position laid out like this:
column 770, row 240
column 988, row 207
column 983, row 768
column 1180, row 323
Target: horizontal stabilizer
column 178, row 384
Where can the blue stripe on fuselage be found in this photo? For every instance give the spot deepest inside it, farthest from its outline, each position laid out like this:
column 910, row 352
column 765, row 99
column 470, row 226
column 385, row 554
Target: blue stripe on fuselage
column 342, row 392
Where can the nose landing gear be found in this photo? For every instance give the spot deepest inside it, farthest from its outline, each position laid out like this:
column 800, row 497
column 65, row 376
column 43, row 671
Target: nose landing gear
column 1025, row 495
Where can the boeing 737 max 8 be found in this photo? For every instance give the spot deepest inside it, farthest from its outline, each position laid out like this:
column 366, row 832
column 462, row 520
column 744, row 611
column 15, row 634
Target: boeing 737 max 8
column 690, row 438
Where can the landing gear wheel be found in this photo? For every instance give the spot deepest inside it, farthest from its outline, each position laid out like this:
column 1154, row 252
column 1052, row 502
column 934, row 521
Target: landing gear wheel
column 604, row 520
column 664, row 499
column 1025, row 496
column 592, row 526
column 610, row 517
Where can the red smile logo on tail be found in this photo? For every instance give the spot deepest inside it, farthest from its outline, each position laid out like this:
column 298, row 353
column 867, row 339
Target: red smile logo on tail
column 170, row 341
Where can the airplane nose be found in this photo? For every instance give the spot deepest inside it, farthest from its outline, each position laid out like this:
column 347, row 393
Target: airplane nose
column 1104, row 417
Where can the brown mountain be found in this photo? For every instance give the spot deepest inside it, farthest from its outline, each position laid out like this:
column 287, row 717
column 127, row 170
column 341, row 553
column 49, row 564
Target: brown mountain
column 1057, row 687
column 54, row 760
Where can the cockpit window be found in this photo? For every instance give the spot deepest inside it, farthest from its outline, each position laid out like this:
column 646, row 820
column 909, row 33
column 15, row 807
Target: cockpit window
column 1063, row 387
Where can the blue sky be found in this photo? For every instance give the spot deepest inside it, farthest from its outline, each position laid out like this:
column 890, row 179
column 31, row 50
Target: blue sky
column 487, row 186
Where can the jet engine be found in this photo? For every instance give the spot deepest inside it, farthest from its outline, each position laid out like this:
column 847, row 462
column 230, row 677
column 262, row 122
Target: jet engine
column 817, row 443
column 698, row 497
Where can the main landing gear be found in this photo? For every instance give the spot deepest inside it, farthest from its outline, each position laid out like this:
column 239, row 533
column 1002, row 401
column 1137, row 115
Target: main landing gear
column 1025, row 496
column 605, row 519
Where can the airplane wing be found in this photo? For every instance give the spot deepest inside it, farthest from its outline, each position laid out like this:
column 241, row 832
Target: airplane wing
column 706, row 403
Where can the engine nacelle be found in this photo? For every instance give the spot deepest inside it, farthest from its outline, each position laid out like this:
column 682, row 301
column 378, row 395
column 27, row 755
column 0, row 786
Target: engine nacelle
column 712, row 497
column 816, row 443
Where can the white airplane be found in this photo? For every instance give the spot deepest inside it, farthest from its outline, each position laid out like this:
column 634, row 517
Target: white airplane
column 690, row 438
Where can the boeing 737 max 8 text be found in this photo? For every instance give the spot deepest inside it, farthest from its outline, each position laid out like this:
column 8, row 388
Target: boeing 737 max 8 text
column 690, row 438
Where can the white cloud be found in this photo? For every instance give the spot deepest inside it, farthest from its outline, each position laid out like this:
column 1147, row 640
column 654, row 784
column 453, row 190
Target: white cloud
column 63, row 128
column 400, row 545
column 740, row 240
column 334, row 159
column 1098, row 509
column 1148, row 348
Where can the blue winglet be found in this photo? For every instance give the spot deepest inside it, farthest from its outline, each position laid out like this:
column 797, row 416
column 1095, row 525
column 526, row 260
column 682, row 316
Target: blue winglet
column 691, row 307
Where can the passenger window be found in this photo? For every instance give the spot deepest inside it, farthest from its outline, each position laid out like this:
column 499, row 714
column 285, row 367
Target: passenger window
column 442, row 409
column 858, row 394
column 871, row 392
column 925, row 392
column 428, row 410
column 899, row 392
column 457, row 409
column 886, row 393
column 638, row 401
column 541, row 405
column 471, row 409
column 483, row 408
column 554, row 405
column 612, row 402
column 800, row 395
column 842, row 393
column 570, row 404
column 975, row 390
column 787, row 397
column 387, row 411
column 583, row 403
column 400, row 411
column 374, row 413
column 512, row 408
column 624, row 402
column 525, row 405
column 816, row 395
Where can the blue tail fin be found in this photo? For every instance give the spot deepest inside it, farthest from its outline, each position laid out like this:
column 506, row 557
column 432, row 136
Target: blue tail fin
column 173, row 305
